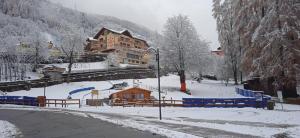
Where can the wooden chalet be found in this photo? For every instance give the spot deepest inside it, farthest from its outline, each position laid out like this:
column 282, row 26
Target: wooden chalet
column 131, row 95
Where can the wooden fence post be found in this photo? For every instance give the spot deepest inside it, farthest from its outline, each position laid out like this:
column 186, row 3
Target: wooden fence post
column 79, row 103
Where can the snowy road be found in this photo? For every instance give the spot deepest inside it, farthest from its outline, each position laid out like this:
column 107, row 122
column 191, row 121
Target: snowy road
column 43, row 124
column 175, row 127
column 189, row 126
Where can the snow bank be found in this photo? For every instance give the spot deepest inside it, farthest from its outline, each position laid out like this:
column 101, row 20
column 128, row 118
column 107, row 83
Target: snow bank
column 62, row 90
column 7, row 130
column 248, row 121
column 89, row 66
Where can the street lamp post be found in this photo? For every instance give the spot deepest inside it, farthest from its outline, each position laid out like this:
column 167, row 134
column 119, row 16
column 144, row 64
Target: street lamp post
column 45, row 85
column 156, row 51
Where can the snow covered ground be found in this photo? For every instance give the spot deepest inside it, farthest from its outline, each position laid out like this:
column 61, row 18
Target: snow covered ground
column 7, row 130
column 169, row 85
column 184, row 122
column 89, row 66
column 77, row 67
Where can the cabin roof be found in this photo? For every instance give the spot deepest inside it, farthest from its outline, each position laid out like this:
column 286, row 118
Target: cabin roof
column 124, row 32
column 126, row 90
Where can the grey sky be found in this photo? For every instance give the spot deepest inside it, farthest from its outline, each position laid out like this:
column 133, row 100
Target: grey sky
column 154, row 13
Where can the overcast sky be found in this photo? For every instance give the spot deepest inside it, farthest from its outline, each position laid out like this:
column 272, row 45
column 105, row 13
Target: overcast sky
column 154, row 13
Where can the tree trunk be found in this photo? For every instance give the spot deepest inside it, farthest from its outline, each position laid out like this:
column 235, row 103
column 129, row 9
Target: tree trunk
column 1, row 72
column 10, row 72
column 36, row 59
column 200, row 76
column 70, row 67
column 235, row 77
column 182, row 81
column 241, row 76
column 15, row 72
column 6, row 74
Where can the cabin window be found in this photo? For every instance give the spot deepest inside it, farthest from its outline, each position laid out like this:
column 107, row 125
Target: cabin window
column 133, row 96
column 126, row 96
column 139, row 96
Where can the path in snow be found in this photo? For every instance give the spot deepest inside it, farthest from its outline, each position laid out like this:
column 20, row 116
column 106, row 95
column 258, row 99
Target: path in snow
column 40, row 124
column 191, row 126
column 197, row 127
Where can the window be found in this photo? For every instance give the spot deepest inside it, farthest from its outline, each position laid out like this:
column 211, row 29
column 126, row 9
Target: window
column 132, row 56
column 126, row 96
column 137, row 42
column 139, row 96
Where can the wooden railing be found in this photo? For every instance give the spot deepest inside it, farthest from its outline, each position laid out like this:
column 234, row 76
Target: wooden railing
column 62, row 102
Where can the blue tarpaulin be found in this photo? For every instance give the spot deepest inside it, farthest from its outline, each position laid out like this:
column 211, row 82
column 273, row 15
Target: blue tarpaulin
column 81, row 89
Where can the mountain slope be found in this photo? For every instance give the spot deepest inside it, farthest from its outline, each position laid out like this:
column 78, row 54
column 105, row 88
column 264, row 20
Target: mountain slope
column 25, row 20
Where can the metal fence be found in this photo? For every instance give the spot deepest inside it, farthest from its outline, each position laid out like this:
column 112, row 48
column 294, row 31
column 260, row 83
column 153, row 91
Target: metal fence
column 252, row 99
column 19, row 100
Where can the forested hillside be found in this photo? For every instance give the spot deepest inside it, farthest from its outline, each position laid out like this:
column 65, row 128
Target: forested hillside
column 25, row 20
column 35, row 23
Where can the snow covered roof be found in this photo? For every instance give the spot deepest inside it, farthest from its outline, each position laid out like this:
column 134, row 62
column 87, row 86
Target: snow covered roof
column 124, row 32
column 91, row 38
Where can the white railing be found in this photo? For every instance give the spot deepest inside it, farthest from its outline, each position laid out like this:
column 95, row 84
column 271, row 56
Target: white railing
column 152, row 88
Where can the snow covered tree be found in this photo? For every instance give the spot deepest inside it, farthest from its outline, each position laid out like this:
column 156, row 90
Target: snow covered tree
column 39, row 45
column 72, row 45
column 182, row 46
column 227, row 35
column 112, row 59
column 267, row 34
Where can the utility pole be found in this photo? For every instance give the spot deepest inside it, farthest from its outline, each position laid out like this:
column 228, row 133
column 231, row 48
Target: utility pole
column 45, row 85
column 158, row 75
column 156, row 51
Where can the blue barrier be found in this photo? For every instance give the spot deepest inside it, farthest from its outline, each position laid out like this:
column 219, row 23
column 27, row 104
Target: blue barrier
column 252, row 99
column 258, row 95
column 19, row 100
column 81, row 89
column 220, row 102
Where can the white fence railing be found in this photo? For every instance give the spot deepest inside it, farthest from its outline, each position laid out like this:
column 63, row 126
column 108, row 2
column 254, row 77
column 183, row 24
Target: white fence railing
column 155, row 89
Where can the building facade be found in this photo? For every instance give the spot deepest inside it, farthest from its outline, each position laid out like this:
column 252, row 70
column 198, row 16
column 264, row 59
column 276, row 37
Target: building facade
column 126, row 48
